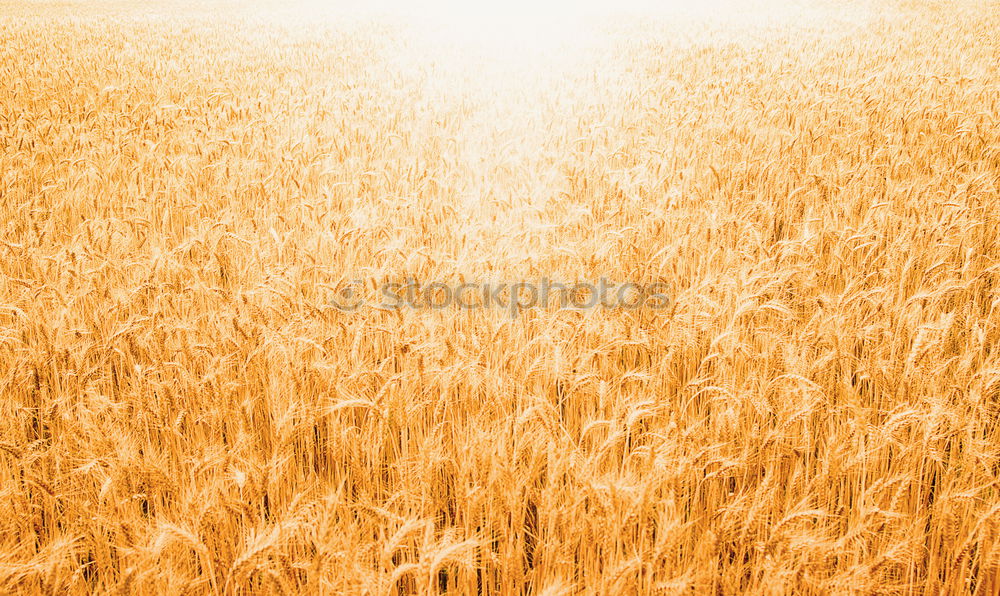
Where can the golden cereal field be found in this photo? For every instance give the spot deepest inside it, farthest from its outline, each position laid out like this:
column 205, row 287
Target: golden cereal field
column 190, row 191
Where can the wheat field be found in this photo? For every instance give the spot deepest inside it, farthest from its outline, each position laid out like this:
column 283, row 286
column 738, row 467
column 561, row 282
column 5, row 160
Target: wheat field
column 187, row 188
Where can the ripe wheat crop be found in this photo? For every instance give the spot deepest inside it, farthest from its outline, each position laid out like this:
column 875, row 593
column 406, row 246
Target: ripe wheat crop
column 185, row 188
